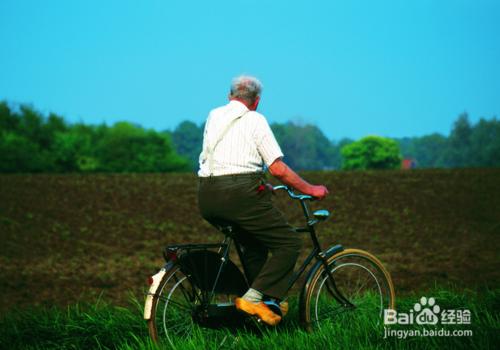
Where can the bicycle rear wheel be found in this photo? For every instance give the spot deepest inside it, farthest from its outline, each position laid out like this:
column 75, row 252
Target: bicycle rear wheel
column 361, row 278
column 178, row 313
column 171, row 311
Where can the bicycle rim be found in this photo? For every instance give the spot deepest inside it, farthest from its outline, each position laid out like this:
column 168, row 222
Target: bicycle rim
column 361, row 279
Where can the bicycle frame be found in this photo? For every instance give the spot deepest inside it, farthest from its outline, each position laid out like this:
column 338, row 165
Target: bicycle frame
column 317, row 253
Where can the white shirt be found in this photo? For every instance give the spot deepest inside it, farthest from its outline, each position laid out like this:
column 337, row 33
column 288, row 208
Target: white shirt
column 247, row 146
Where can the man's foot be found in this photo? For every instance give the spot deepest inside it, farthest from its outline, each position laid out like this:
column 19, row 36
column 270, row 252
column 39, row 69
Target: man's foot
column 273, row 305
column 257, row 309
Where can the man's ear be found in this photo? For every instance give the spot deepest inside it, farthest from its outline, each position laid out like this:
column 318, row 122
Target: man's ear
column 256, row 103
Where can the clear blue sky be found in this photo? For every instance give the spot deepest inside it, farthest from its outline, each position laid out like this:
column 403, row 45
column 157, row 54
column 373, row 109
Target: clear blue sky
column 391, row 68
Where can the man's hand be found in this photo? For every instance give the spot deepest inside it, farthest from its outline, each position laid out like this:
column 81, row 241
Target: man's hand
column 318, row 191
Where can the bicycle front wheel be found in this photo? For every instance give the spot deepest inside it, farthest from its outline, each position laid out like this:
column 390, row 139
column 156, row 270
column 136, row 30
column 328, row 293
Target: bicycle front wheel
column 361, row 279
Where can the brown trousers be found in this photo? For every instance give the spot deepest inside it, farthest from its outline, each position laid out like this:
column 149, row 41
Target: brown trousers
column 260, row 227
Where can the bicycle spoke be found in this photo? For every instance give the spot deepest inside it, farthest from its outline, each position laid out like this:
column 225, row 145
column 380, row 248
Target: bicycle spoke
column 178, row 304
column 336, row 311
column 175, row 326
column 178, row 322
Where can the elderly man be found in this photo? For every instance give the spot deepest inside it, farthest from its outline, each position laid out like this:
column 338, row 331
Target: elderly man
column 237, row 145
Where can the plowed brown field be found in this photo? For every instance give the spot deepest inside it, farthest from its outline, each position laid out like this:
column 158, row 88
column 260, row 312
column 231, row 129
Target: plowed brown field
column 66, row 238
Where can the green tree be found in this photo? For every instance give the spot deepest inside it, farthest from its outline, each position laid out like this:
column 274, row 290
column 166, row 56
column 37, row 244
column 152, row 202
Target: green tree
column 485, row 144
column 371, row 152
column 24, row 141
column 305, row 146
column 74, row 149
column 428, row 150
column 457, row 153
column 336, row 152
column 188, row 140
column 129, row 148
column 8, row 120
column 19, row 154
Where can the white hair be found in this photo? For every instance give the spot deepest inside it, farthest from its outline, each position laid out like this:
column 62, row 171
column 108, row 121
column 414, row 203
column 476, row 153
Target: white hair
column 246, row 87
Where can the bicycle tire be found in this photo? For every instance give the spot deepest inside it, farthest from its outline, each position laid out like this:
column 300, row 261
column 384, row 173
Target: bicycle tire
column 159, row 332
column 352, row 270
column 173, row 308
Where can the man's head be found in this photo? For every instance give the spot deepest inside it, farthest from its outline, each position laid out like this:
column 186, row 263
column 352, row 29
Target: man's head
column 247, row 90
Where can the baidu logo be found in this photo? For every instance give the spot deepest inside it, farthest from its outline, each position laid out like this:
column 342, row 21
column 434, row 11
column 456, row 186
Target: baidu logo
column 427, row 312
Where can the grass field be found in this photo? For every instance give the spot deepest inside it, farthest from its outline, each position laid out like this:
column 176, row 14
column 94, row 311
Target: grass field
column 69, row 240
column 105, row 326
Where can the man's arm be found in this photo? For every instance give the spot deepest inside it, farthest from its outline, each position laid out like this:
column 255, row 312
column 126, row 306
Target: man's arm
column 286, row 175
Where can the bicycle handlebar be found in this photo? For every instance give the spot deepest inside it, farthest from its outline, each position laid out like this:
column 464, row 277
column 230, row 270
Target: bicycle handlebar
column 292, row 194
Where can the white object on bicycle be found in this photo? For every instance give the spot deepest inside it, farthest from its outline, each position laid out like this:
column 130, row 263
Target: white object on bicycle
column 152, row 292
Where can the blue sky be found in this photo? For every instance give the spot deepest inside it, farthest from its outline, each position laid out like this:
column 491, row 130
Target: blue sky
column 390, row 68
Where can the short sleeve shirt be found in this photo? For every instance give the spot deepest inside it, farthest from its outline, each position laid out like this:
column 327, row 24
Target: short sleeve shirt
column 247, row 146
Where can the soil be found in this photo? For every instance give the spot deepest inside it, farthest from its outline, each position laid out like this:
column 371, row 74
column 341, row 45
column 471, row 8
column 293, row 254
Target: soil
column 73, row 238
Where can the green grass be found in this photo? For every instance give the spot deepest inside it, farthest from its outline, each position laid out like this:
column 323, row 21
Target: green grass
column 104, row 326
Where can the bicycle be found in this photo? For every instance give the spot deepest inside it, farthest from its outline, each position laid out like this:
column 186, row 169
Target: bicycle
column 195, row 290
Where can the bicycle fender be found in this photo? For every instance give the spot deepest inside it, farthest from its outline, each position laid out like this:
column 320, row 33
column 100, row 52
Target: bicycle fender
column 157, row 278
column 327, row 254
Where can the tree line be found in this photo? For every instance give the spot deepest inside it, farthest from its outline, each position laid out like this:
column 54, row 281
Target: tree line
column 32, row 142
column 468, row 145
column 307, row 148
